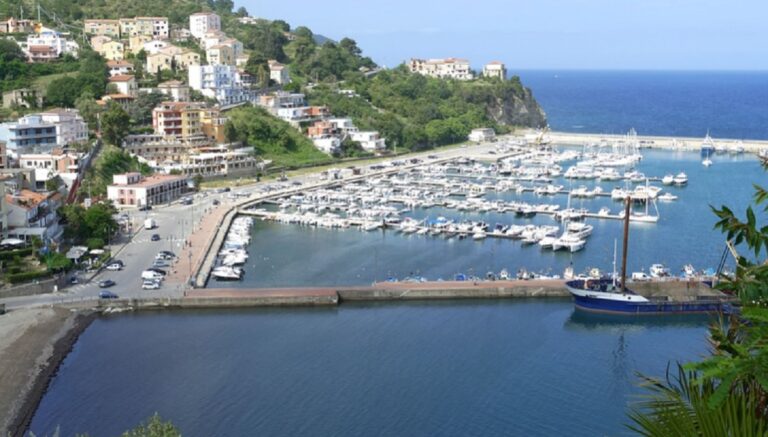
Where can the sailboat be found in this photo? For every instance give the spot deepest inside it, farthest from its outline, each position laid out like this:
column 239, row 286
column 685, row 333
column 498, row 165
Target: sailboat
column 707, row 147
column 609, row 295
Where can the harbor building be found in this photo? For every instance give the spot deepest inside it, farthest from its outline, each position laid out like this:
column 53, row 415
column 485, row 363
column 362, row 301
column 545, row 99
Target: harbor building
column 495, row 69
column 448, row 68
column 202, row 22
column 133, row 190
column 482, row 135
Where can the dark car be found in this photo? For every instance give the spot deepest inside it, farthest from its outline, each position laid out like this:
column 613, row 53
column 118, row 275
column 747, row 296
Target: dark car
column 145, row 208
column 168, row 253
column 106, row 294
column 106, row 283
column 155, row 237
column 156, row 270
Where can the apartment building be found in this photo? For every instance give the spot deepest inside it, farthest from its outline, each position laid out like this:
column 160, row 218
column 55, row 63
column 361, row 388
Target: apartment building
column 110, row 28
column 179, row 119
column 43, row 131
column 32, row 214
column 220, row 55
column 221, row 82
column 153, row 27
column 175, row 89
column 203, row 22
column 117, row 68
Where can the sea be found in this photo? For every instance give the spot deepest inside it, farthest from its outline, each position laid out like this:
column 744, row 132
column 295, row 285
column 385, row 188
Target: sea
column 491, row 367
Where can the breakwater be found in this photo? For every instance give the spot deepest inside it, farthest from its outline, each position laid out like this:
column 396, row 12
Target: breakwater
column 653, row 141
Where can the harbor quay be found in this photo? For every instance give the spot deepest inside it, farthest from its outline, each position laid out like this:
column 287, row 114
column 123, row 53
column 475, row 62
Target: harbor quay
column 653, row 141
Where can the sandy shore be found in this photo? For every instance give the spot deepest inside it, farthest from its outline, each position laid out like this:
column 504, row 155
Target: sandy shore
column 33, row 343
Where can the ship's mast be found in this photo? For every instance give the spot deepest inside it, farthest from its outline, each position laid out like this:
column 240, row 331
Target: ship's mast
column 627, row 212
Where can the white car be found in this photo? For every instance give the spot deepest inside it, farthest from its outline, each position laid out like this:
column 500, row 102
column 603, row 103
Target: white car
column 114, row 267
column 150, row 285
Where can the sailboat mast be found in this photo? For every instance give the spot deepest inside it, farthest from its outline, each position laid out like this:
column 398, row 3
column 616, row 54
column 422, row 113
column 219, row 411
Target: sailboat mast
column 627, row 212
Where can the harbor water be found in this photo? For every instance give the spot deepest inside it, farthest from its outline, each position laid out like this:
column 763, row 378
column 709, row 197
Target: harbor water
column 294, row 255
column 510, row 367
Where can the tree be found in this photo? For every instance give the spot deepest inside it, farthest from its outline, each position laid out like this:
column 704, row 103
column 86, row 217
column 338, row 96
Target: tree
column 140, row 110
column 350, row 46
column 198, row 181
column 10, row 51
column 63, row 92
column 115, row 124
column 155, row 427
column 241, row 12
column 88, row 108
column 52, row 184
column 281, row 25
column 730, row 387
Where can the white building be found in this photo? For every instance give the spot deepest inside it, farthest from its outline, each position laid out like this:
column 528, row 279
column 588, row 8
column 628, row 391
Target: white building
column 125, row 83
column 175, row 89
column 221, row 82
column 482, row 135
column 369, row 140
column 495, row 69
column 344, row 125
column 43, row 131
column 330, row 144
column 448, row 68
column 132, row 190
column 120, row 67
column 56, row 42
column 203, row 22
column 155, row 46
column 278, row 73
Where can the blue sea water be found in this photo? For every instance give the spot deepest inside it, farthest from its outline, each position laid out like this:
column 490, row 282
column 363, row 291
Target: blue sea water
column 464, row 368
column 681, row 103
column 439, row 368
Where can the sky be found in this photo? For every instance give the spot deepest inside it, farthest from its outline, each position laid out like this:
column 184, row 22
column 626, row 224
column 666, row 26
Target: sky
column 543, row 34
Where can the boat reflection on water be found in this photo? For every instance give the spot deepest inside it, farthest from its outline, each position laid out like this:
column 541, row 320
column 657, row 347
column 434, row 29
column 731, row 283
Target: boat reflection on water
column 582, row 320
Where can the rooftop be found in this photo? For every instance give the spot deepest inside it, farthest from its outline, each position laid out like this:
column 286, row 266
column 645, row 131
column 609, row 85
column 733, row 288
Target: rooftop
column 121, row 78
column 150, row 181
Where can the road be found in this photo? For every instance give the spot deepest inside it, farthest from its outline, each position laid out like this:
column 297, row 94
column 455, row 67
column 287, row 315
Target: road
column 175, row 222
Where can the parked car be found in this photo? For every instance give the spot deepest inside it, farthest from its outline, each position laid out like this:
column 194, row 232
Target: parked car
column 160, row 263
column 106, row 294
column 155, row 237
column 145, row 208
column 73, row 280
column 106, row 283
column 156, row 270
column 150, row 285
column 163, row 257
column 113, row 267
column 168, row 253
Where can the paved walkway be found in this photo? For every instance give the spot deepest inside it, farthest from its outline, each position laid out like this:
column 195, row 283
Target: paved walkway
column 193, row 250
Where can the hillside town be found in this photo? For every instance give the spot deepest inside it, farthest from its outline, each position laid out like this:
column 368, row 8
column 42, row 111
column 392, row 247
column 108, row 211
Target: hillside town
column 178, row 85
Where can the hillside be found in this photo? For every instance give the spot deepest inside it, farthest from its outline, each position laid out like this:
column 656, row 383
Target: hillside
column 411, row 111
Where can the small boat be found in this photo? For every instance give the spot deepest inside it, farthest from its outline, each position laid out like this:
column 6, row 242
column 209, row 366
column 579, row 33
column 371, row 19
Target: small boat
column 707, row 147
column 226, row 273
column 706, row 162
column 480, row 235
column 667, row 197
column 504, row 275
column 681, row 178
column 604, row 212
column 658, row 271
column 668, row 179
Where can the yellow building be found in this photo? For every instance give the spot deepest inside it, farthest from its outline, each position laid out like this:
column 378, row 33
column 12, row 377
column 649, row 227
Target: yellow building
column 112, row 51
column 158, row 61
column 110, row 28
column 136, row 43
column 212, row 124
column 98, row 41
column 190, row 123
column 186, row 58
column 153, row 27
column 220, row 55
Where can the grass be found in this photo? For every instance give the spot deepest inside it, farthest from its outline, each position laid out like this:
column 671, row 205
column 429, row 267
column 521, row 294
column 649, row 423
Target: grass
column 42, row 82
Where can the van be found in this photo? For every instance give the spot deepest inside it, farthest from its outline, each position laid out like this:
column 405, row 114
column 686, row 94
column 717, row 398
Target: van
column 149, row 274
column 149, row 223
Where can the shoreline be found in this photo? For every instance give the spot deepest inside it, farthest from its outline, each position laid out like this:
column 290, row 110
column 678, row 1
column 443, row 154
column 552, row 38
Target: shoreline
column 53, row 340
column 58, row 334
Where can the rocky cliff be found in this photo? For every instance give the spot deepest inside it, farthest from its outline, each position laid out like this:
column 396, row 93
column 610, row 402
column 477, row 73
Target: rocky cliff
column 515, row 108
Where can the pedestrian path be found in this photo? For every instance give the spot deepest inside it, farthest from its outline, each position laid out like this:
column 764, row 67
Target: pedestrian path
column 192, row 252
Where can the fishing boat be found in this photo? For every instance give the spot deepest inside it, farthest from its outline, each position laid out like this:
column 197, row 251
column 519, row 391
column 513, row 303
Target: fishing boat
column 611, row 295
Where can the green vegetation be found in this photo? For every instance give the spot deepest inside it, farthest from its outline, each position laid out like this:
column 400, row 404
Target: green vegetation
column 109, row 162
column 272, row 138
column 727, row 392
column 92, row 226
column 16, row 73
column 91, row 79
column 154, row 427
column 115, row 124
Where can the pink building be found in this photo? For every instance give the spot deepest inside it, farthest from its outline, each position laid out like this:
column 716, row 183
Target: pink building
column 133, row 190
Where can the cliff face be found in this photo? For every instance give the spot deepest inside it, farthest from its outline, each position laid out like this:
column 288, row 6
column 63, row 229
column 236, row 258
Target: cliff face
column 516, row 109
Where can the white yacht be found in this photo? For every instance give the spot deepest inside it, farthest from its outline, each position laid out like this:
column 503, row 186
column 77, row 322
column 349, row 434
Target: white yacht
column 658, row 271
column 667, row 197
column 569, row 242
column 681, row 178
column 227, row 273
column 668, row 179
column 706, row 162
